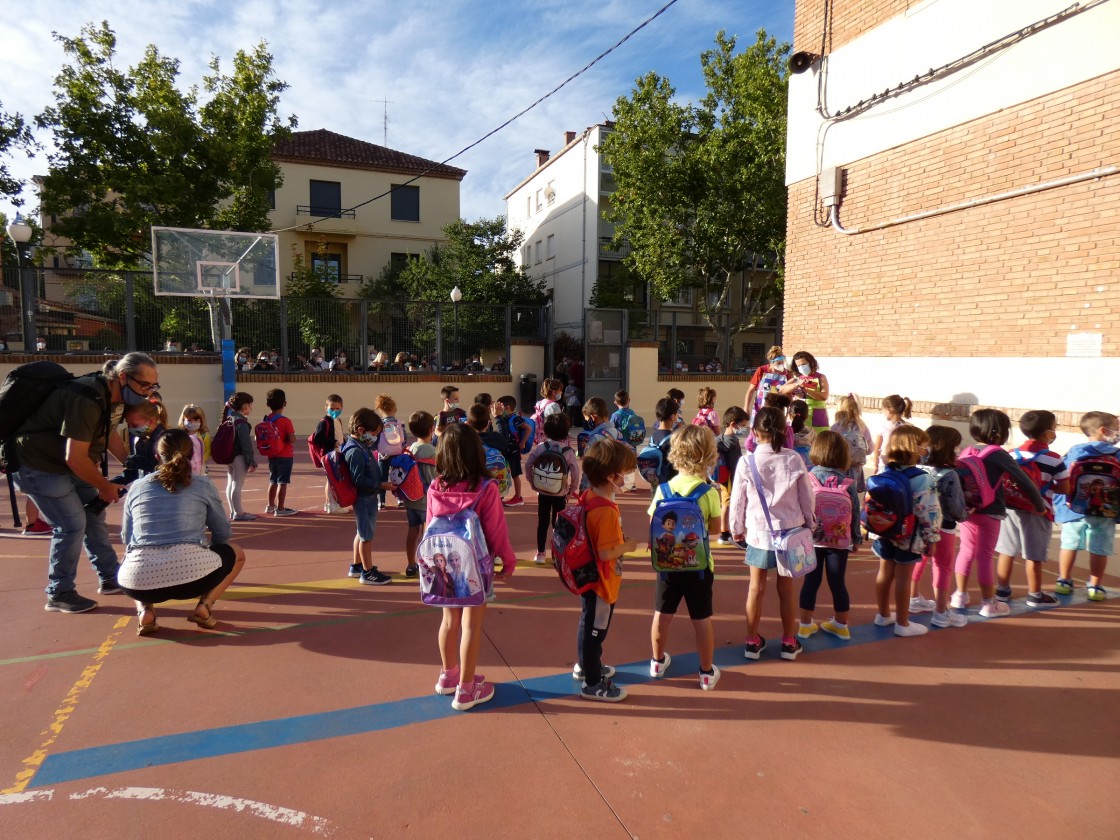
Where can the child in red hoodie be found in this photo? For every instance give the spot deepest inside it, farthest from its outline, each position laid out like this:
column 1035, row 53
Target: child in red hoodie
column 462, row 478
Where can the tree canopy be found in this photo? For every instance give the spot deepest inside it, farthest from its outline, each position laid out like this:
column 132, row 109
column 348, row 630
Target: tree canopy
column 132, row 150
column 14, row 134
column 700, row 187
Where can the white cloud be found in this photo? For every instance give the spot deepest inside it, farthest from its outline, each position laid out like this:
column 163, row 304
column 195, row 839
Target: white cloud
column 452, row 69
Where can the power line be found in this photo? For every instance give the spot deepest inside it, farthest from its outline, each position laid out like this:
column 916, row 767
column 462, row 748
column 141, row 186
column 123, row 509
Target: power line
column 492, row 132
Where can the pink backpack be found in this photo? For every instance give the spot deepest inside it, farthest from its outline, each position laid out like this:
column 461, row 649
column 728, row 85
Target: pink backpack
column 707, row 417
column 834, row 512
column 538, row 419
column 979, row 492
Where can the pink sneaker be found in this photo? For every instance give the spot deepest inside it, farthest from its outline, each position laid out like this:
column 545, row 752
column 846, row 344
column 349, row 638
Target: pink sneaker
column 448, row 680
column 469, row 696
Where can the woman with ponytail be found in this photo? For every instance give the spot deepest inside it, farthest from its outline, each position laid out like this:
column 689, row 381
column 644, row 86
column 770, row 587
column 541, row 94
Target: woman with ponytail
column 165, row 516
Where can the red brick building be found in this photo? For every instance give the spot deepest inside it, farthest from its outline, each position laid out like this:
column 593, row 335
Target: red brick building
column 954, row 200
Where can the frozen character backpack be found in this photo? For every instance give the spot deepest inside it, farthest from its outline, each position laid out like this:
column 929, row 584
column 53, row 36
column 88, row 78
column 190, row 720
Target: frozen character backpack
column 456, row 568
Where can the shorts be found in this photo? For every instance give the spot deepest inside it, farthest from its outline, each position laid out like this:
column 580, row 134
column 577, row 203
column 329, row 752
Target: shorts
column 760, row 558
column 416, row 516
column 514, row 462
column 280, row 470
column 191, row 589
column 1093, row 532
column 886, row 550
column 694, row 587
column 724, row 498
column 365, row 515
column 1025, row 535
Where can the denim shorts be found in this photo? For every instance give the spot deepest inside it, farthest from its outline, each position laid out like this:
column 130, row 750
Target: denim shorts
column 886, row 550
column 1095, row 533
column 415, row 516
column 760, row 558
column 365, row 515
column 280, row 470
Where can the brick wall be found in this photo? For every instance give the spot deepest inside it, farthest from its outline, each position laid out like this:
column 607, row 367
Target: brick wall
column 1007, row 279
column 848, row 19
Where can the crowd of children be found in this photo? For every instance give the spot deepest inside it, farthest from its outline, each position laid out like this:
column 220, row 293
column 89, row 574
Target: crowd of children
column 774, row 478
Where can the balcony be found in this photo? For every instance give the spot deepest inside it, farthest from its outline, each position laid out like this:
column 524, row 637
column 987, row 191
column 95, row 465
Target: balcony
column 334, row 219
column 339, row 279
column 608, row 251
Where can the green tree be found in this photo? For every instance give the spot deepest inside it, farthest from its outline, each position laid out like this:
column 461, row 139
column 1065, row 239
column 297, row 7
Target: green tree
column 14, row 134
column 700, row 188
column 131, row 150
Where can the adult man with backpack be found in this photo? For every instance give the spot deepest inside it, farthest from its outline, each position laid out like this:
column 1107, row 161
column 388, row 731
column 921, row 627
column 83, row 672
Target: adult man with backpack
column 58, row 446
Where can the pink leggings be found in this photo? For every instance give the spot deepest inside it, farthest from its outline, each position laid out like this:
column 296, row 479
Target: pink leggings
column 979, row 535
column 943, row 553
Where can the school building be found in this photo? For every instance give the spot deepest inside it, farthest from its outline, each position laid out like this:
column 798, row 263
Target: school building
column 954, row 201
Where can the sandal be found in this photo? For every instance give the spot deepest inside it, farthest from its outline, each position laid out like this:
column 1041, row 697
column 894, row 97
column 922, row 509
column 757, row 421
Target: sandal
column 143, row 629
column 209, row 622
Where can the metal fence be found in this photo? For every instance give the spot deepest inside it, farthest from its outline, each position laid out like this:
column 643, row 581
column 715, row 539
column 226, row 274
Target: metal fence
column 701, row 343
column 96, row 310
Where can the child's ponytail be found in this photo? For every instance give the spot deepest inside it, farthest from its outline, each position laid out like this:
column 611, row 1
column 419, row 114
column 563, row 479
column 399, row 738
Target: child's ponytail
column 898, row 406
column 770, row 427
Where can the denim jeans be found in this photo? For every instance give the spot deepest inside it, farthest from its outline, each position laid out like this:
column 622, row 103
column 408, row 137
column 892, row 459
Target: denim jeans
column 60, row 498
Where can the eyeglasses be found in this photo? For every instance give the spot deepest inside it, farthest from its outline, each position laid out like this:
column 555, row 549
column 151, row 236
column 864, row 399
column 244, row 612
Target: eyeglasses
column 146, row 386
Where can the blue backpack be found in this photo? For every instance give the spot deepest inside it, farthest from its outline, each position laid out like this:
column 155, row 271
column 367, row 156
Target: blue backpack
column 587, row 437
column 406, row 477
column 653, row 462
column 498, row 467
column 678, row 532
column 514, row 424
column 632, row 428
column 889, row 510
column 456, row 568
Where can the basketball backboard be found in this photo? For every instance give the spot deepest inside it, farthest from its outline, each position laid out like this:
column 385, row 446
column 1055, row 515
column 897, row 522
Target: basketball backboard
column 215, row 263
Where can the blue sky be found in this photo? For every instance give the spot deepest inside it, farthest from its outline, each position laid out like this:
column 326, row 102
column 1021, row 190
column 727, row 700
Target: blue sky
column 451, row 69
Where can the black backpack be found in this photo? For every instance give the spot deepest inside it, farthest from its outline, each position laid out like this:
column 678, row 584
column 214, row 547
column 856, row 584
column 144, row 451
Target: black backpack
column 25, row 389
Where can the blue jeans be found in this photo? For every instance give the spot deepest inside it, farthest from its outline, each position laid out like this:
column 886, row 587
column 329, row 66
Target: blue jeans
column 60, row 498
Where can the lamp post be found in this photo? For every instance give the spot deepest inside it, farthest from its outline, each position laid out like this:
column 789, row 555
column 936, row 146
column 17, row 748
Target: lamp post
column 456, row 296
column 20, row 231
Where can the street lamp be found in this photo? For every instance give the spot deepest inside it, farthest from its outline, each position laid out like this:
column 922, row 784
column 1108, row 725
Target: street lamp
column 456, row 296
column 21, row 231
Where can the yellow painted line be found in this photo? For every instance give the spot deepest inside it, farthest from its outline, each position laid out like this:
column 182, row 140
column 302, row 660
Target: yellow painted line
column 66, row 708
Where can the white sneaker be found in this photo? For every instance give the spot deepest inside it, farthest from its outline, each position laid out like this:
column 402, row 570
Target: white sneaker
column 948, row 619
column 880, row 621
column 918, row 604
column 270, row 508
column 911, row 629
column 539, row 558
column 959, row 600
column 995, row 609
column 708, row 681
column 657, row 669
column 606, row 671
column 331, row 507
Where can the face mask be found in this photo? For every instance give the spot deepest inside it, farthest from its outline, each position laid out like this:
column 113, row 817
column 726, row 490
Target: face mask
column 40, row 346
column 620, row 484
column 334, row 413
column 451, row 406
column 131, row 397
column 139, row 430
column 275, row 359
column 1110, row 436
column 241, row 359
column 369, row 437
column 192, row 425
column 742, row 433
column 342, row 358
column 804, row 370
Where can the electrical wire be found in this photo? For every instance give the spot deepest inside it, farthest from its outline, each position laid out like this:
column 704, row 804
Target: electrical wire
column 494, row 131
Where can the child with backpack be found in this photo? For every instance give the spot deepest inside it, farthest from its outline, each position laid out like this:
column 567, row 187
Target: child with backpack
column 484, row 399
column 451, row 412
column 850, row 426
column 1025, row 533
column 421, row 424
column 146, row 422
column 276, row 437
column 549, row 403
column 983, row 471
column 940, row 462
column 392, row 440
column 706, row 410
column 192, row 420
column 462, row 482
column 789, row 497
column 235, row 419
column 493, row 446
column 1088, row 513
column 358, row 451
column 597, row 419
column 728, row 451
column 677, row 396
column 837, row 513
column 554, row 473
column 690, row 506
column 772, row 400
column 605, row 464
column 329, row 433
column 653, row 458
column 902, row 508
column 518, row 437
column 803, row 432
column 631, row 428
column 896, row 411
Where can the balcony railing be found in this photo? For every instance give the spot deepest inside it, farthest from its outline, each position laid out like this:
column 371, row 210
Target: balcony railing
column 338, row 278
column 609, row 250
column 324, row 212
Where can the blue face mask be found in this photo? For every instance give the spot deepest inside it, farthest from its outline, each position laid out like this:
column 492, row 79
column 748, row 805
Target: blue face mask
column 369, row 437
column 334, row 413
column 804, row 370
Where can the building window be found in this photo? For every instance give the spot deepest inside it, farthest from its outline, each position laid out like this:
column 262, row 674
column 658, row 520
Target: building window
column 683, row 297
column 713, row 301
column 528, row 206
column 538, row 251
column 406, row 204
column 399, row 260
column 551, row 242
column 328, row 266
column 272, row 199
column 539, row 205
column 753, row 352
column 326, row 198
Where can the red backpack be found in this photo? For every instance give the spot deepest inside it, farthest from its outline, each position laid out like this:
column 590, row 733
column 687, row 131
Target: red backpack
column 338, row 475
column 1012, row 493
column 223, row 448
column 572, row 552
column 268, row 439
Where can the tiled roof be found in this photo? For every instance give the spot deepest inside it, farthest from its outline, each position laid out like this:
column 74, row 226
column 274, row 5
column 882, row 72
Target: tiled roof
column 328, row 147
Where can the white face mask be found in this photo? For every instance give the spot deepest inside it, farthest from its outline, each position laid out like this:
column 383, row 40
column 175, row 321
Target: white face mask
column 192, row 425
column 41, row 345
column 804, row 370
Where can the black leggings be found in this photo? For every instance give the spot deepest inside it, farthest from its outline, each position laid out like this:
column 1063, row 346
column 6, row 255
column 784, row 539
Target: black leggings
column 832, row 562
column 547, row 508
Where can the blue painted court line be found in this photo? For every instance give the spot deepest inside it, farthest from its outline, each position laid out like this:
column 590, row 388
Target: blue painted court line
column 247, row 737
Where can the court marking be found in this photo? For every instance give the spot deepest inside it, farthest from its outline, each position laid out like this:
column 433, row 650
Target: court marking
column 251, row 736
